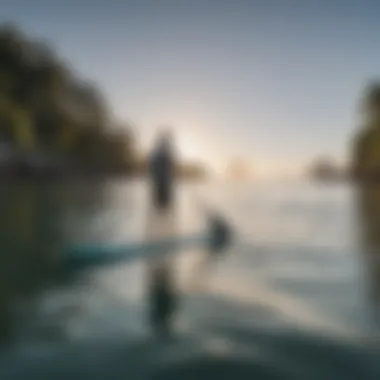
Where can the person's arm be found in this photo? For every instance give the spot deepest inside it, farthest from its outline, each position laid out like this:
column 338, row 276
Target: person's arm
column 152, row 166
column 173, row 163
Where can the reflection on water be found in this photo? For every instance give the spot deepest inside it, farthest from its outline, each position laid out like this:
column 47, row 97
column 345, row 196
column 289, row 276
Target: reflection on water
column 36, row 220
column 296, row 264
column 162, row 292
column 368, row 201
column 27, row 244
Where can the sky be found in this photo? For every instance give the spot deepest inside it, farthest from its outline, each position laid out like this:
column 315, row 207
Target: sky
column 276, row 82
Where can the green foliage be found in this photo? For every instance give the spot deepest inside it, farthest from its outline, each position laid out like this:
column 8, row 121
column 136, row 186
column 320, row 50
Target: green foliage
column 44, row 107
column 366, row 145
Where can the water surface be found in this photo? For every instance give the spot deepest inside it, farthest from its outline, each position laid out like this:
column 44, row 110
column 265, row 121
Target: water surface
column 291, row 295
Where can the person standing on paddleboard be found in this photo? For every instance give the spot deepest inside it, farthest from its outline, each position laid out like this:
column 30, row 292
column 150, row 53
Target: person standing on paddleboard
column 162, row 293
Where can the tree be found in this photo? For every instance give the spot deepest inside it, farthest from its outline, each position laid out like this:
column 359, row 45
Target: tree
column 366, row 145
column 46, row 108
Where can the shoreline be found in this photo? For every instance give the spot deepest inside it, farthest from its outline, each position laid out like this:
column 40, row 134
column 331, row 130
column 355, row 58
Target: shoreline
column 83, row 177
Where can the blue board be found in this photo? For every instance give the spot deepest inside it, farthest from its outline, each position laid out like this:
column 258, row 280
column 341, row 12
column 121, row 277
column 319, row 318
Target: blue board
column 81, row 256
column 78, row 256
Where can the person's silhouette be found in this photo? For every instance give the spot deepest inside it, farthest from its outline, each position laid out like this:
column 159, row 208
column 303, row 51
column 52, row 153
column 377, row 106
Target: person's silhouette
column 162, row 294
column 161, row 171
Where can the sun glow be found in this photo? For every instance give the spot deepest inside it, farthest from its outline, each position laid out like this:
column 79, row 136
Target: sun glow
column 191, row 145
column 189, row 149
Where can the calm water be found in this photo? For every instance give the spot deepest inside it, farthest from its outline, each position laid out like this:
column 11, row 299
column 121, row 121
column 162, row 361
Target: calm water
column 291, row 296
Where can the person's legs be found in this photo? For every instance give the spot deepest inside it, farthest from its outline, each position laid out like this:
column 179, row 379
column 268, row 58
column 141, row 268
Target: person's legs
column 162, row 197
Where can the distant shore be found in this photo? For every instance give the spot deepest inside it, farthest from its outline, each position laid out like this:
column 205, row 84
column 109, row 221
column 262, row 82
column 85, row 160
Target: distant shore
column 43, row 167
column 82, row 174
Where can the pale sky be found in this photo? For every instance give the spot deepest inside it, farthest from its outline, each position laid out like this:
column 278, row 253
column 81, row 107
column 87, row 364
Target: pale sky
column 277, row 82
